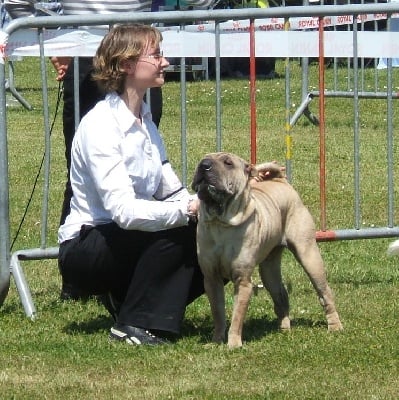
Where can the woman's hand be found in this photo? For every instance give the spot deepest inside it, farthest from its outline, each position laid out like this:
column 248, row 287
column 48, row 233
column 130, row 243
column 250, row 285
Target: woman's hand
column 192, row 209
column 61, row 65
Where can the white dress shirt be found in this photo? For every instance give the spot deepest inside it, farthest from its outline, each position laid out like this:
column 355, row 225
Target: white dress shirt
column 120, row 173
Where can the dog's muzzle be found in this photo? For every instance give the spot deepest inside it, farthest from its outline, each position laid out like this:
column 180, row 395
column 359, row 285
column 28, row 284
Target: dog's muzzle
column 201, row 175
column 205, row 185
column 206, row 164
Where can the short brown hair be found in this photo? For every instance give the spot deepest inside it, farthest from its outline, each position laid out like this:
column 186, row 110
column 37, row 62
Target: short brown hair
column 122, row 43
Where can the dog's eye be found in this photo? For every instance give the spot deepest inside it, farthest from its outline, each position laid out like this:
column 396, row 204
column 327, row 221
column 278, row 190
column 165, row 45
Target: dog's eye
column 228, row 162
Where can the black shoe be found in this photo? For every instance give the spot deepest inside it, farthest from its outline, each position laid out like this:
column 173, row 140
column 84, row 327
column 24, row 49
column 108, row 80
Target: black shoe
column 133, row 335
column 112, row 305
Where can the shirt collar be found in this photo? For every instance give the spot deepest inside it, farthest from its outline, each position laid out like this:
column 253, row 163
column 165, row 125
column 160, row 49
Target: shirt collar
column 123, row 115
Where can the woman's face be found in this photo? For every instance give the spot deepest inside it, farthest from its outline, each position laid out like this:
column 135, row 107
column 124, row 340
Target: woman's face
column 149, row 71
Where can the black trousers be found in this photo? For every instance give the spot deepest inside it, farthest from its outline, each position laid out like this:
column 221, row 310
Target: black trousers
column 154, row 275
column 89, row 95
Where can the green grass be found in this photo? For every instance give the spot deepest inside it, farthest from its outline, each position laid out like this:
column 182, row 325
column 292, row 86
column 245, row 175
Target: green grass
column 65, row 352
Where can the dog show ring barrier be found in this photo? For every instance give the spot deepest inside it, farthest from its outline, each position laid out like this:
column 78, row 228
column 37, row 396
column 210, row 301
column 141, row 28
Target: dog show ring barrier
column 263, row 32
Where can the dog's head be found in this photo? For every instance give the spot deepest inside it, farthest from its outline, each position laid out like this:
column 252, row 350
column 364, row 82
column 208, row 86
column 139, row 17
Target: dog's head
column 219, row 178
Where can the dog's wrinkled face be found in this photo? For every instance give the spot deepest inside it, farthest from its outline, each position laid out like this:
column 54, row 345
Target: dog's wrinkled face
column 218, row 178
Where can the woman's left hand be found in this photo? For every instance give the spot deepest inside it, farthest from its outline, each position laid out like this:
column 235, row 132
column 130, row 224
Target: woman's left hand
column 192, row 209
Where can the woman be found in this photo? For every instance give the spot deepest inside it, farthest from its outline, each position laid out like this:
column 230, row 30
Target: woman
column 129, row 232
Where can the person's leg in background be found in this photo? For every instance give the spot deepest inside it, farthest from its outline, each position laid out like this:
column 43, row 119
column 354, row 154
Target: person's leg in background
column 264, row 66
column 156, row 104
column 89, row 95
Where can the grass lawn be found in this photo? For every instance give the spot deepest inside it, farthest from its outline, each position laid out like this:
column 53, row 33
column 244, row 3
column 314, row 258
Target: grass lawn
column 65, row 353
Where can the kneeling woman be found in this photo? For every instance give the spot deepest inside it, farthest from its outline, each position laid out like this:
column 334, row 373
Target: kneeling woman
column 128, row 236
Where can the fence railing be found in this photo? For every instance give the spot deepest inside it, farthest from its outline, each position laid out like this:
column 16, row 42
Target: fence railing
column 283, row 32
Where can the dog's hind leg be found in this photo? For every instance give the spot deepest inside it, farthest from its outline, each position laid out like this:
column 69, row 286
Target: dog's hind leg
column 270, row 272
column 308, row 254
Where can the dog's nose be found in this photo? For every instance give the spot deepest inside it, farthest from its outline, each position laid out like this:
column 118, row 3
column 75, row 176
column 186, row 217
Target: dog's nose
column 206, row 164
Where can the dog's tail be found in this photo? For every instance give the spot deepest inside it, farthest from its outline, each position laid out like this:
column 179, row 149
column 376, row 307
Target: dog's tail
column 268, row 171
column 393, row 249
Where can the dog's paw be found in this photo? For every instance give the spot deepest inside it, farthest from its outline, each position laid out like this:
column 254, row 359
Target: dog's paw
column 335, row 327
column 393, row 249
column 334, row 323
column 234, row 342
column 285, row 324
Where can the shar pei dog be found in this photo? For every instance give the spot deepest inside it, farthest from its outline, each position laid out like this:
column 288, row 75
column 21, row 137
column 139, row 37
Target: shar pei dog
column 244, row 222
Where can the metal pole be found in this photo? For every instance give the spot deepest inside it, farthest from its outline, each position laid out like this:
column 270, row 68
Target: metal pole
column 4, row 188
column 356, row 133
column 390, row 156
column 323, row 223
column 218, row 89
column 183, row 117
column 47, row 146
column 252, row 85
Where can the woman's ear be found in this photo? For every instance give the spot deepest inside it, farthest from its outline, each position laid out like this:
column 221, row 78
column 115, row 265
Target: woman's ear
column 128, row 66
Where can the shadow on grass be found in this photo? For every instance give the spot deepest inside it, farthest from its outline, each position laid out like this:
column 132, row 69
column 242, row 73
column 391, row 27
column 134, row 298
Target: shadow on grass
column 98, row 324
column 257, row 328
column 254, row 329
column 10, row 308
column 201, row 328
column 366, row 280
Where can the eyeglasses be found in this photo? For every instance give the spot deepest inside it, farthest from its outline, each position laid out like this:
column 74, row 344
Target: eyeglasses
column 156, row 57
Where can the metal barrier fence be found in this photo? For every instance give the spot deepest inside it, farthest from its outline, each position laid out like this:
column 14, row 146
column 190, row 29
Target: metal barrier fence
column 255, row 30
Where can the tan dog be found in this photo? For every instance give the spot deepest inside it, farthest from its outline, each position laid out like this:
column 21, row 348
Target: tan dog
column 242, row 225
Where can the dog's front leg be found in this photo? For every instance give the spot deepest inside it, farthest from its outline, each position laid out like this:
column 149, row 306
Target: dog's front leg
column 214, row 289
column 242, row 295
